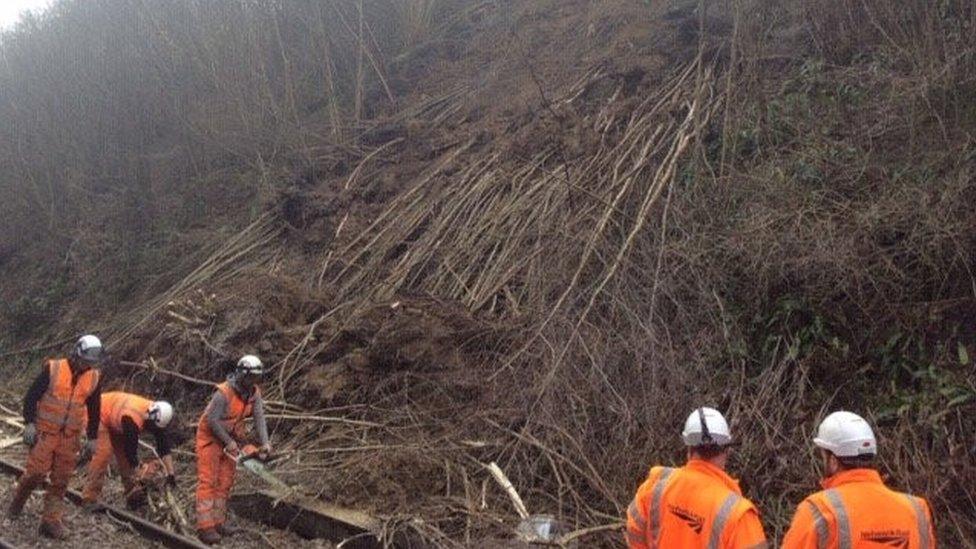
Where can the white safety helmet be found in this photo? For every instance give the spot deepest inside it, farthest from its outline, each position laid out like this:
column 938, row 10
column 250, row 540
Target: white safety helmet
column 845, row 434
column 706, row 426
column 250, row 364
column 88, row 349
column 161, row 413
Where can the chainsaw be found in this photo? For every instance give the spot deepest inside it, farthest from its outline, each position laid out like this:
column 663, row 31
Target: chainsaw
column 249, row 458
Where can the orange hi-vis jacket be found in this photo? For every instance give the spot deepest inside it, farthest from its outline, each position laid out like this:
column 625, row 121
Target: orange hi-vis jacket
column 857, row 511
column 215, row 470
column 233, row 421
column 62, row 408
column 117, row 405
column 697, row 506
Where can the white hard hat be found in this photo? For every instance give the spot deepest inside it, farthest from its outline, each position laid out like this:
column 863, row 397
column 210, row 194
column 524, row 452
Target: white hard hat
column 706, row 426
column 89, row 349
column 846, row 435
column 161, row 413
column 250, row 364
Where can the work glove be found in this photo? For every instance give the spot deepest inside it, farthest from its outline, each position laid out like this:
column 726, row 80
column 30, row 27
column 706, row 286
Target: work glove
column 88, row 450
column 171, row 481
column 148, row 472
column 232, row 449
column 30, row 435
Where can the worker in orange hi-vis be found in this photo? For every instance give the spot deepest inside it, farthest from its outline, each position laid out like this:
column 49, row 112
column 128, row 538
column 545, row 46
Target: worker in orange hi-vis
column 855, row 510
column 124, row 417
column 697, row 506
column 64, row 396
column 220, row 434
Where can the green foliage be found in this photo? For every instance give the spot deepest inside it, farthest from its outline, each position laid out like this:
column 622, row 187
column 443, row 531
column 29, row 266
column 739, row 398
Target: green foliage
column 811, row 105
column 791, row 330
column 924, row 380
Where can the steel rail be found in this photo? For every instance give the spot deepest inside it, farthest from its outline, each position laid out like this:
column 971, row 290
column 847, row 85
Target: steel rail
column 143, row 527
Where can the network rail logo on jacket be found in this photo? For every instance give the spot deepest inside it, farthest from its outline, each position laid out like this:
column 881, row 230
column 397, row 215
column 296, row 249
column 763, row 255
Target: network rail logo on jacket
column 693, row 520
column 888, row 538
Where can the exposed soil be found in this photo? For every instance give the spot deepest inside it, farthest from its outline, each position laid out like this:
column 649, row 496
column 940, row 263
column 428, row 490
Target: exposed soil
column 84, row 527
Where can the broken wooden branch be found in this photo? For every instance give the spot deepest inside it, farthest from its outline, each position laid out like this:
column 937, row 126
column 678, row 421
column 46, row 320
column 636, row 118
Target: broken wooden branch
column 506, row 485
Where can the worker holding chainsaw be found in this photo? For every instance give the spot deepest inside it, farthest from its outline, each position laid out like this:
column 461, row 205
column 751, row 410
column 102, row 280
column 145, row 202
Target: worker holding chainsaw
column 220, row 444
column 122, row 419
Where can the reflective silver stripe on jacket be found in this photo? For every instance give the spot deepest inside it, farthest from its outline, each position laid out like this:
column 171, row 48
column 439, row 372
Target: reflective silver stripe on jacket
column 843, row 521
column 634, row 513
column 922, row 520
column 654, row 511
column 57, row 401
column 820, row 524
column 59, row 418
column 724, row 512
column 65, row 413
column 635, row 539
column 68, row 413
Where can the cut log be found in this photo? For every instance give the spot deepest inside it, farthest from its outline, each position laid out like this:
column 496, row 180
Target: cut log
column 310, row 519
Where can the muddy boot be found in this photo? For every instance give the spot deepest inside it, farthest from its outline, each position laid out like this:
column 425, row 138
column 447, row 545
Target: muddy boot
column 53, row 530
column 21, row 495
column 225, row 530
column 135, row 499
column 209, row 536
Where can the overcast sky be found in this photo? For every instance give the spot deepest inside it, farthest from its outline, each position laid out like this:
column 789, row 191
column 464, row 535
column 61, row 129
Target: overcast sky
column 10, row 10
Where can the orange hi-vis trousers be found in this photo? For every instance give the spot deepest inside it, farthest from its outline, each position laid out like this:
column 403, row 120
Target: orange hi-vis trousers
column 55, row 454
column 108, row 445
column 215, row 477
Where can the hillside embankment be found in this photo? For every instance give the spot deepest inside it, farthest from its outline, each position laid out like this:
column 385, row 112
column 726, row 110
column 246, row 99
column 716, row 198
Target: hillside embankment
column 530, row 233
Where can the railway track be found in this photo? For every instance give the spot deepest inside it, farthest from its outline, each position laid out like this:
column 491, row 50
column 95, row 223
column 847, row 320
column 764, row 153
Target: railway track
column 112, row 527
column 262, row 518
column 146, row 529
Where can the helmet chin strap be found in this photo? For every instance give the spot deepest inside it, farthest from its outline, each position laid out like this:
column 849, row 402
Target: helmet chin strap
column 706, row 437
column 238, row 380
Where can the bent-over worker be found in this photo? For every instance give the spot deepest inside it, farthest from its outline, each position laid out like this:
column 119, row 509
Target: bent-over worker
column 123, row 418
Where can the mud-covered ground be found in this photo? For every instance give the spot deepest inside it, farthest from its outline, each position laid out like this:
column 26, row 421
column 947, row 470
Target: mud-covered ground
column 84, row 529
column 87, row 530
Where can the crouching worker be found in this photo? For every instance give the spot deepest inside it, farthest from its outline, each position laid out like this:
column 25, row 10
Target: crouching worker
column 55, row 411
column 220, row 435
column 123, row 418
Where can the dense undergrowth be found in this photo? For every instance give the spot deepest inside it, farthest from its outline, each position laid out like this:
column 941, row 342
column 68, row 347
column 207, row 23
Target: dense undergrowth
column 530, row 233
